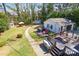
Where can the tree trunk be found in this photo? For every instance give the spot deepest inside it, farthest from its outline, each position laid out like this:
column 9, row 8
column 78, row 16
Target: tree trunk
column 18, row 11
column 4, row 8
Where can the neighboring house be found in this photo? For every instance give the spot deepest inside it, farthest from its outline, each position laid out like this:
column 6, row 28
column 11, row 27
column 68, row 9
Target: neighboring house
column 1, row 9
column 11, row 24
column 58, row 25
column 13, row 13
column 38, row 21
column 63, row 6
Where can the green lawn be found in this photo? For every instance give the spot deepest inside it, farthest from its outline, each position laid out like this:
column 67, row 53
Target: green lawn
column 34, row 35
column 52, row 34
column 19, row 47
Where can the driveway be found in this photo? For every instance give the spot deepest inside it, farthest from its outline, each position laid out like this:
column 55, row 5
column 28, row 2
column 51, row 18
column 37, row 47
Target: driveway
column 36, row 47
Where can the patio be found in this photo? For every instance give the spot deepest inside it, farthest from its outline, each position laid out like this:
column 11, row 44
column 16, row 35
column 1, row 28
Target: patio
column 70, row 40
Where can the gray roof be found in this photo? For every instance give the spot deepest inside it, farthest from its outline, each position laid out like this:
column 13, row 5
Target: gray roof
column 60, row 21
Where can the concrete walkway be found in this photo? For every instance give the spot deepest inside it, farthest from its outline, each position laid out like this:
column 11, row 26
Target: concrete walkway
column 35, row 45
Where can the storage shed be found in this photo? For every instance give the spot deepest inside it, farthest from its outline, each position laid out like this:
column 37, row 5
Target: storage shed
column 58, row 25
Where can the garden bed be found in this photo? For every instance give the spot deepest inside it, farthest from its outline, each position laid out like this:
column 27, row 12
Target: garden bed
column 33, row 34
column 37, row 37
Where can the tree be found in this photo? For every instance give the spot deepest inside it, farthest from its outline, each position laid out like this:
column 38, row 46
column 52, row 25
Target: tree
column 43, row 12
column 74, row 16
column 4, row 8
column 3, row 19
column 49, row 8
column 18, row 11
column 3, row 22
column 27, row 13
column 33, row 15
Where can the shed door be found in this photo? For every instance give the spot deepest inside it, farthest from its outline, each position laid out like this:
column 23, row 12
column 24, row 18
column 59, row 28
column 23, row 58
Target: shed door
column 68, row 28
column 61, row 28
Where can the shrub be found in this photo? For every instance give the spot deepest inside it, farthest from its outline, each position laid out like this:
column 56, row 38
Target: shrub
column 2, row 29
column 3, row 22
column 3, row 25
column 19, row 35
column 2, row 43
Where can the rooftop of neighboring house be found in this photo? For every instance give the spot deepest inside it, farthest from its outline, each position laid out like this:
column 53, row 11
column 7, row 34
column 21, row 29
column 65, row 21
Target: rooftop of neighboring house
column 1, row 9
column 13, row 13
column 61, row 21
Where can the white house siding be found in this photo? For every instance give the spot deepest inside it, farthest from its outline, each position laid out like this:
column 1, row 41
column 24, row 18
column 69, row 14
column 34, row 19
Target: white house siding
column 58, row 23
column 56, row 27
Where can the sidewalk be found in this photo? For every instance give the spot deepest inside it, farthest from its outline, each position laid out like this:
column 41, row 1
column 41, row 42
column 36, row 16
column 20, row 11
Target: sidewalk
column 35, row 46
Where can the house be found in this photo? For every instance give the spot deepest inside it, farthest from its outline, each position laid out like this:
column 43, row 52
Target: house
column 58, row 25
column 61, row 6
column 1, row 10
column 38, row 21
column 11, row 24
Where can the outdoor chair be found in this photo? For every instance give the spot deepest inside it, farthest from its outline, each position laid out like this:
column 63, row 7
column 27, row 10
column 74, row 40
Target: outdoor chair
column 75, row 40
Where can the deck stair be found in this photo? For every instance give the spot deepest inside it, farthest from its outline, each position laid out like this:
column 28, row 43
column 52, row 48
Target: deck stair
column 70, row 52
column 56, row 52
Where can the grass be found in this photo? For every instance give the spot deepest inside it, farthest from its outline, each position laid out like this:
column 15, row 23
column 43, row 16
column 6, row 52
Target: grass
column 52, row 34
column 34, row 35
column 19, row 47
column 23, row 47
column 9, row 33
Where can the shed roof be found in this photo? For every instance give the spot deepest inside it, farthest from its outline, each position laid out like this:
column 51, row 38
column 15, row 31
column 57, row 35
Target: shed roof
column 60, row 21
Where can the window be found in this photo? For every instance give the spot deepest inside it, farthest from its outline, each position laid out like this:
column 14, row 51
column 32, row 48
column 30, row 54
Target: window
column 51, row 26
column 56, row 5
column 47, row 25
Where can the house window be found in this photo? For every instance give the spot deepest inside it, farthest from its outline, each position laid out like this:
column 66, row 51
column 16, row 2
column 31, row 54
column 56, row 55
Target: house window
column 51, row 26
column 47, row 25
column 56, row 5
